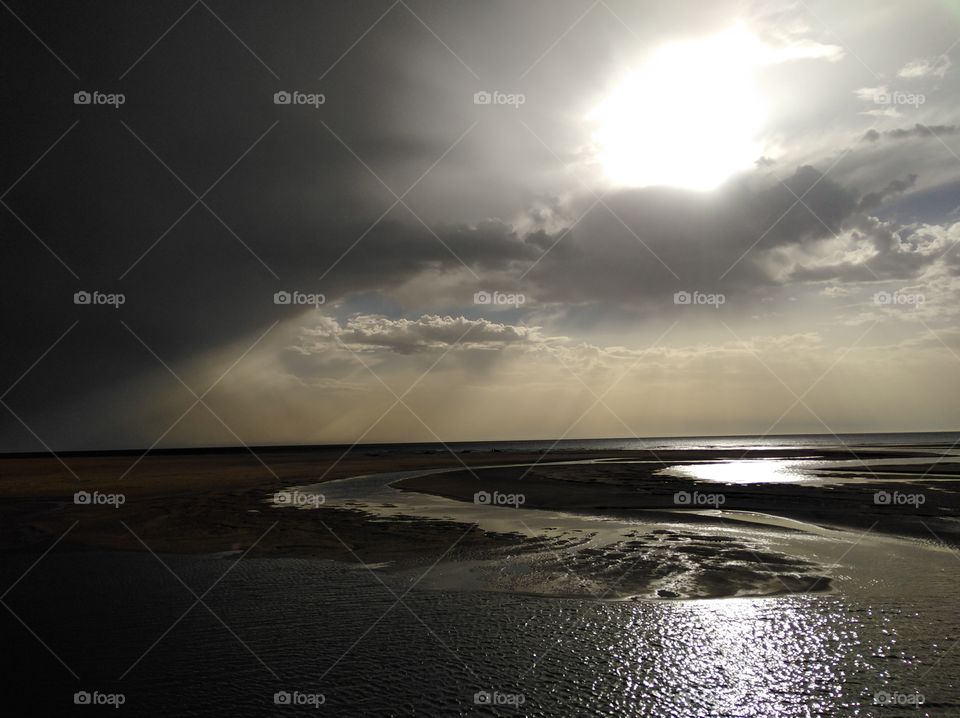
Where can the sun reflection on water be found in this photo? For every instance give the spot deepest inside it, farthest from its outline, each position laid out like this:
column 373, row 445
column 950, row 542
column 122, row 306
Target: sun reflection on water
column 743, row 657
column 748, row 471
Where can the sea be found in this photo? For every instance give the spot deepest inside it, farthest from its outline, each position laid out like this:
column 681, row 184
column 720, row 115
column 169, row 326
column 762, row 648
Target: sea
column 765, row 441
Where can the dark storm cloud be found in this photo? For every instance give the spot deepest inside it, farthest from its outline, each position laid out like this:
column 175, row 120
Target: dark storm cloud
column 895, row 187
column 199, row 289
column 640, row 246
column 290, row 200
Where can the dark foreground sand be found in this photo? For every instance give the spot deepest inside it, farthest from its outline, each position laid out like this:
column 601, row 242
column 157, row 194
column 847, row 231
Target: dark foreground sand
column 218, row 502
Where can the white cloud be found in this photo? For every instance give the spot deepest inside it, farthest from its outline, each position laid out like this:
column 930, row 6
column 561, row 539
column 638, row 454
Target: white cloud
column 926, row 67
column 407, row 336
column 870, row 94
column 802, row 50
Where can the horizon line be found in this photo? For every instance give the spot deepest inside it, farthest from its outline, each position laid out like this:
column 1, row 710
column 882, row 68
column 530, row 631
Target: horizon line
column 239, row 448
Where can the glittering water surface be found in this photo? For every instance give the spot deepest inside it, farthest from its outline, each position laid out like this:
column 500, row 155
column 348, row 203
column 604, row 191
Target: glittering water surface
column 756, row 471
column 323, row 627
column 766, row 471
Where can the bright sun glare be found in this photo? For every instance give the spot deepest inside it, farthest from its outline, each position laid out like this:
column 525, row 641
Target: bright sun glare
column 688, row 118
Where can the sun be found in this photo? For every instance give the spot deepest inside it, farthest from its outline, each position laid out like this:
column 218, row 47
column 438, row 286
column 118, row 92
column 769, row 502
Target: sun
column 689, row 117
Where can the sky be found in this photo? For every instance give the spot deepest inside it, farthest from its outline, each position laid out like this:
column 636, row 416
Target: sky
column 327, row 222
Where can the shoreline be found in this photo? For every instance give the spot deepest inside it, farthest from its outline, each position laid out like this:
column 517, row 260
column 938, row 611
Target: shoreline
column 218, row 504
column 622, row 489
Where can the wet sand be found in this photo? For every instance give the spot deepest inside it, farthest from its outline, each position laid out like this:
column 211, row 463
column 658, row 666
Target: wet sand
column 210, row 502
column 626, row 489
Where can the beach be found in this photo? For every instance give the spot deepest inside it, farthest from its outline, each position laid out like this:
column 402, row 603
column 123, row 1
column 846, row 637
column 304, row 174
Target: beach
column 209, row 502
column 578, row 566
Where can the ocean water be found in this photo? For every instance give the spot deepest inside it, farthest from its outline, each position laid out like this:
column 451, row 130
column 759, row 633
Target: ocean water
column 316, row 628
column 792, row 441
